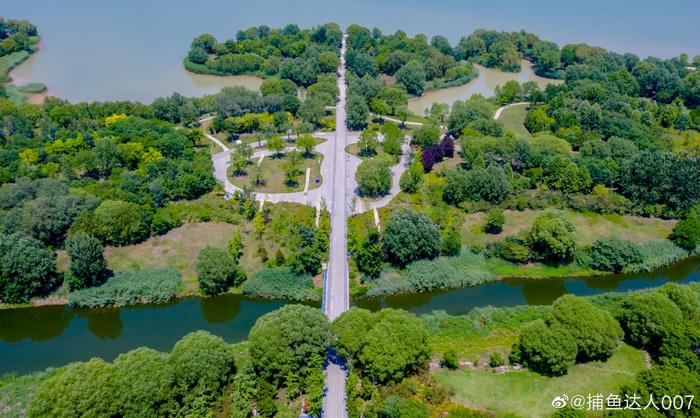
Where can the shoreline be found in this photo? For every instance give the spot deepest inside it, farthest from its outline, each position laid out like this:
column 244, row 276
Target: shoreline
column 62, row 300
column 19, row 83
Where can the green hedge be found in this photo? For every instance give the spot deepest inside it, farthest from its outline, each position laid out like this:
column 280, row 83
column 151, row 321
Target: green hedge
column 150, row 285
column 280, row 283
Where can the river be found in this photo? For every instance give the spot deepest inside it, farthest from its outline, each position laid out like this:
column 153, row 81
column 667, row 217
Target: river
column 133, row 49
column 38, row 337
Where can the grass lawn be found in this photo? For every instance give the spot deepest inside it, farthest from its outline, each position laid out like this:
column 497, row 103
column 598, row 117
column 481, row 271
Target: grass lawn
column 177, row 249
column 513, row 118
column 685, row 140
column 589, row 226
column 354, row 149
column 273, row 175
column 529, row 394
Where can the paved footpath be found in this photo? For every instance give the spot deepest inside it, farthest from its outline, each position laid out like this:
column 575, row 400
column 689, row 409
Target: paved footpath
column 335, row 290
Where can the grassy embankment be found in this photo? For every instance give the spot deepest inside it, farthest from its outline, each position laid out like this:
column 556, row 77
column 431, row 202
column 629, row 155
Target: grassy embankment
column 17, row 94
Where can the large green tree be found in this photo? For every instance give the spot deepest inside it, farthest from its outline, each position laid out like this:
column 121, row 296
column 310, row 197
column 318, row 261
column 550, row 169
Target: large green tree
column 217, row 270
column 395, row 347
column 410, row 236
column 88, row 266
column 27, row 268
column 552, row 236
column 373, row 177
column 284, row 341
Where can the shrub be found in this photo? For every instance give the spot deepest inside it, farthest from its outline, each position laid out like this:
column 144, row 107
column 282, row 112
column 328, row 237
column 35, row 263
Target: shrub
column 165, row 219
column 686, row 233
column 280, row 283
column 495, row 219
column 217, row 270
column 488, row 184
column 451, row 242
column 426, row 136
column 614, row 254
column 449, row 360
column 514, row 251
column 398, row 406
column 496, row 360
column 150, row 285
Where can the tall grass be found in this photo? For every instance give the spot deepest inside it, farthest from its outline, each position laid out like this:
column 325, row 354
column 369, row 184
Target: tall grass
column 280, row 283
column 150, row 285
column 467, row 269
column 657, row 253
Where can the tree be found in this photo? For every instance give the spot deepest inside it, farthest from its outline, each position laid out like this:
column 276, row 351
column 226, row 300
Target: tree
column 552, row 236
column 511, row 92
column 217, row 270
column 438, row 113
column 27, row 269
column 291, row 167
column 686, row 233
column 395, row 347
column 410, row 236
column 646, row 317
column 397, row 406
column 88, row 266
column 373, row 177
column 235, row 245
column 412, row 76
column 119, row 223
column 477, row 184
column 614, row 254
column 307, row 142
column 357, row 113
column 427, row 136
column 351, row 329
column 411, row 178
column 595, row 331
column 368, row 142
column 664, row 379
column 239, row 163
column 285, row 340
column 393, row 138
column 275, row 144
column 547, row 350
column 201, row 363
column 369, row 256
column 495, row 219
column 537, row 120
column 144, row 382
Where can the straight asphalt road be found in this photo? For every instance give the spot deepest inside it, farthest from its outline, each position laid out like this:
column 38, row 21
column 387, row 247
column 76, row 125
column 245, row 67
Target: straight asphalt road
column 335, row 291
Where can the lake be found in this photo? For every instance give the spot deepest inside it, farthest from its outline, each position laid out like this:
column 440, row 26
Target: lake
column 38, row 337
column 95, row 50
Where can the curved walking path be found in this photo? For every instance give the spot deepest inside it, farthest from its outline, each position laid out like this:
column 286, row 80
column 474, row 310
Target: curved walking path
column 508, row 106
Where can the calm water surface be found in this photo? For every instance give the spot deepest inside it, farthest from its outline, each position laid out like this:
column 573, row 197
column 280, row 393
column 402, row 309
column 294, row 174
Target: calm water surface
column 484, row 84
column 35, row 338
column 133, row 49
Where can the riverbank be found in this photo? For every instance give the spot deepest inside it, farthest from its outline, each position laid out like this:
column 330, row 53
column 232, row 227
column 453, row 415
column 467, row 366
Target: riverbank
column 16, row 90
